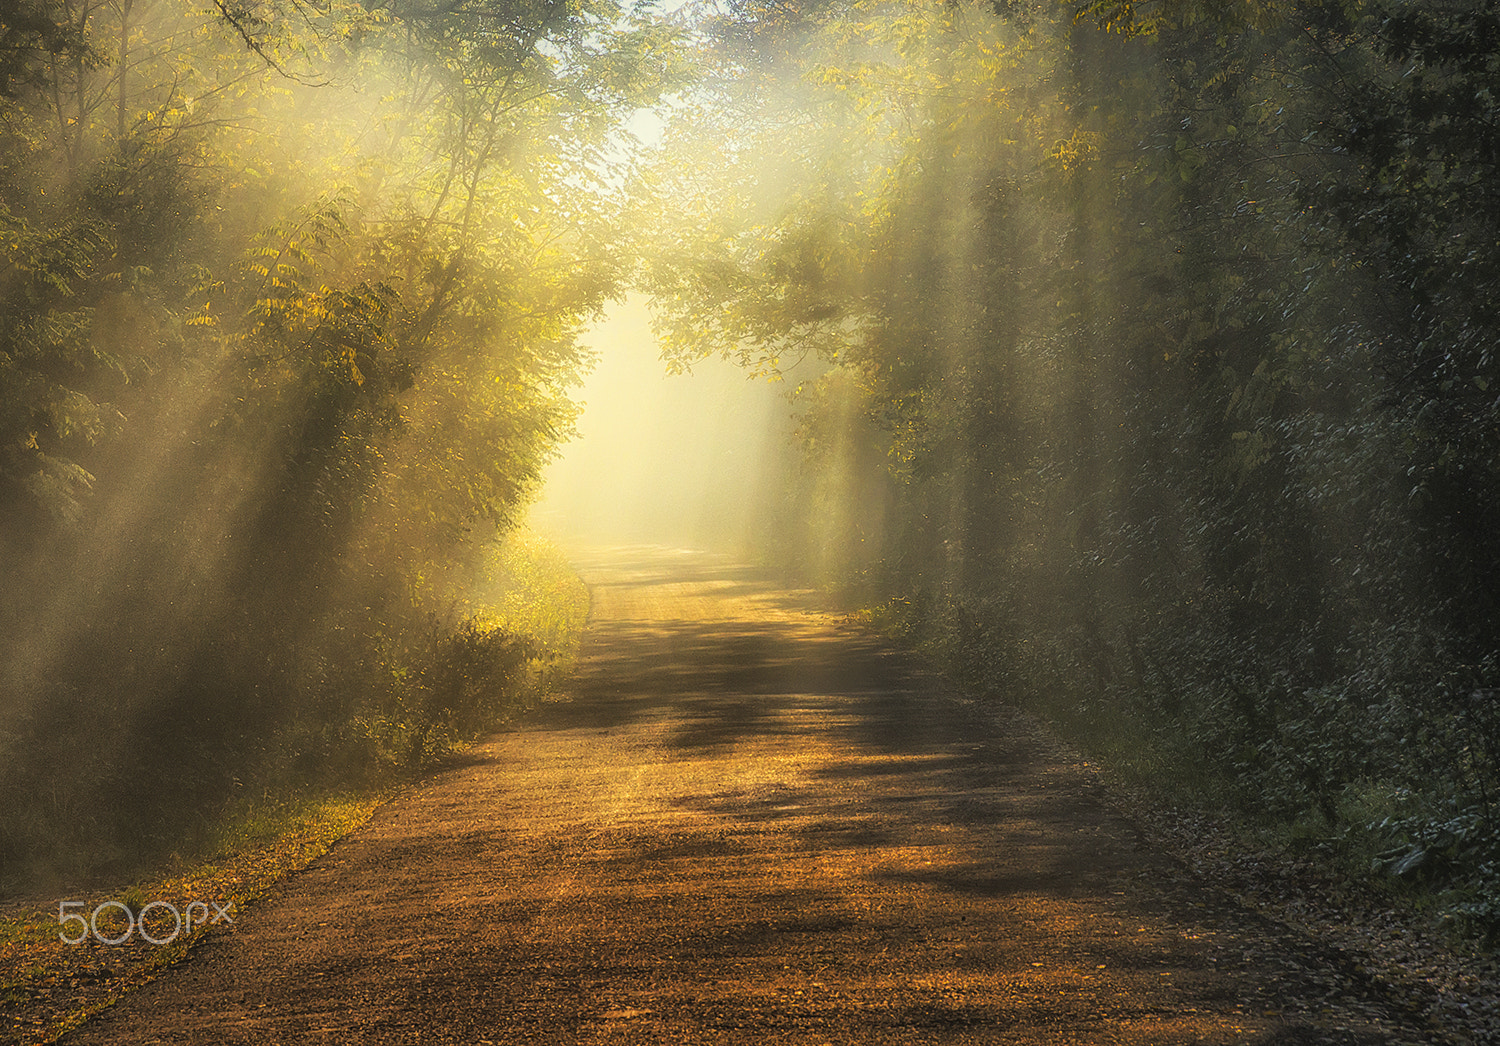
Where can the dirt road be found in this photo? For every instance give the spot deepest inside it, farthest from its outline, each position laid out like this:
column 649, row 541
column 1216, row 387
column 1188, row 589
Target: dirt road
column 751, row 824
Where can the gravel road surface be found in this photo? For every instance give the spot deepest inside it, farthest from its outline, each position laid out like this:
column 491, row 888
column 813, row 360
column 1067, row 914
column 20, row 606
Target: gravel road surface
column 751, row 823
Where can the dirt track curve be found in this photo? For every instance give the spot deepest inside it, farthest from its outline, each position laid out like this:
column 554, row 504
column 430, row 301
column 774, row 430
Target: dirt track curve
column 751, row 824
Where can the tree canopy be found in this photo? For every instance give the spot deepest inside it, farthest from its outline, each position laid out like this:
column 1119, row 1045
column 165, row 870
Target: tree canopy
column 1142, row 354
column 288, row 311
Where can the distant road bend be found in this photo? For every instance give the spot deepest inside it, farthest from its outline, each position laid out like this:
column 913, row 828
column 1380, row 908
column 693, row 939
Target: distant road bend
column 751, row 824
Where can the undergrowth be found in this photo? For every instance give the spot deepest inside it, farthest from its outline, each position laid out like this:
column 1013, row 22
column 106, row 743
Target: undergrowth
column 104, row 786
column 1379, row 827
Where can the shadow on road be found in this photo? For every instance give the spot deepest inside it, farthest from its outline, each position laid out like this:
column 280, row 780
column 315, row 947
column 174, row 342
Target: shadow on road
column 753, row 824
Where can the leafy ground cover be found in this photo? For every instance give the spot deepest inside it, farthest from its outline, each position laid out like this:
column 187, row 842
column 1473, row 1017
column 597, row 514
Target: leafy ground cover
column 1406, row 934
column 1390, row 936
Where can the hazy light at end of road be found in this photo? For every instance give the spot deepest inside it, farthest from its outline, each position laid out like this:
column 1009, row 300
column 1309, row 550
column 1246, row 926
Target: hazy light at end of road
column 662, row 458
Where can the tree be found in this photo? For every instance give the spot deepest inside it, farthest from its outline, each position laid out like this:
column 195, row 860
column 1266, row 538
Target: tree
column 288, row 333
column 1164, row 329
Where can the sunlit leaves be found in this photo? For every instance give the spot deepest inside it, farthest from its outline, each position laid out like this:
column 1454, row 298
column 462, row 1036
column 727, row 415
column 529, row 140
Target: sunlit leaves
column 1144, row 17
column 288, row 299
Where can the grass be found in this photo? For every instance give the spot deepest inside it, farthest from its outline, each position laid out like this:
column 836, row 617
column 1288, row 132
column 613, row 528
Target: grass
column 48, row 987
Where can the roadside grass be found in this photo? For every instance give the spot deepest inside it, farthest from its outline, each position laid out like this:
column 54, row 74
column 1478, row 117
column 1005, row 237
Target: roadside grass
column 229, row 857
column 1182, row 794
column 48, row 986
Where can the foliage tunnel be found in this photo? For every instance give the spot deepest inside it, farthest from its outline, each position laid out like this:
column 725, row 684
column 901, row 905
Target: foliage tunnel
column 1143, row 360
column 1142, row 356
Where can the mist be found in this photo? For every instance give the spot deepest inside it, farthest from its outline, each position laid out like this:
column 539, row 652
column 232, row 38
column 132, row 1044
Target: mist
column 1150, row 389
column 1138, row 369
column 680, row 459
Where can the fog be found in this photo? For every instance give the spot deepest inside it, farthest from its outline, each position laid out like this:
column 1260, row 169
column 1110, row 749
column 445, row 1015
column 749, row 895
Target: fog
column 682, row 459
column 1114, row 384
